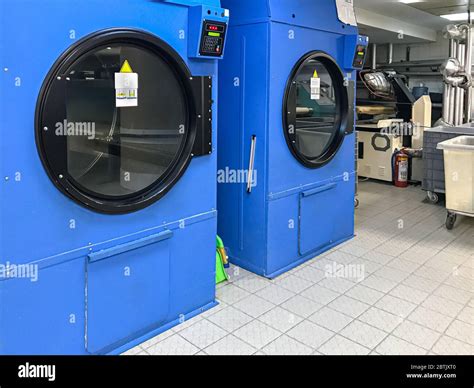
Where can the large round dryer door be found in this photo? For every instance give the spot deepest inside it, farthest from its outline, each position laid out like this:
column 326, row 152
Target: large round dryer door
column 115, row 121
column 315, row 110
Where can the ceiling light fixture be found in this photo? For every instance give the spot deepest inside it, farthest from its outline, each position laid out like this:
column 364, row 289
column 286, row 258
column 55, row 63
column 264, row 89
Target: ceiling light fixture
column 456, row 17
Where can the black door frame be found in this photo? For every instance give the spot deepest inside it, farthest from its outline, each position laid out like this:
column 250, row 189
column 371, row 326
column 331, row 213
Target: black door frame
column 343, row 115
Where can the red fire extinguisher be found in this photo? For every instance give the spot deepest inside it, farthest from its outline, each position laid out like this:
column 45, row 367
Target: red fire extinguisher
column 401, row 163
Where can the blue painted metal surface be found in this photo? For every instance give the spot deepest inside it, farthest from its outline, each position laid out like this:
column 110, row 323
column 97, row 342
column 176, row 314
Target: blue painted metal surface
column 82, row 301
column 287, row 218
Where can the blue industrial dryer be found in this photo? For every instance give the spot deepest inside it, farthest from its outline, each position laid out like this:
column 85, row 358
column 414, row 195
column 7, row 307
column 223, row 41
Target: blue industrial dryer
column 286, row 115
column 108, row 194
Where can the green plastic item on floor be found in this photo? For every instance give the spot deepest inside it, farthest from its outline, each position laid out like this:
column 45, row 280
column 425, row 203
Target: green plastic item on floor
column 221, row 274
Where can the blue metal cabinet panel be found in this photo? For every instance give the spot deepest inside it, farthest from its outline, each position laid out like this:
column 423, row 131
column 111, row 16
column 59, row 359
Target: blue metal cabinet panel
column 295, row 28
column 127, row 292
column 321, row 224
column 316, row 225
column 192, row 267
column 314, row 14
column 44, row 316
column 212, row 3
column 18, row 109
column 241, row 12
column 32, row 316
column 285, row 172
column 230, row 144
column 243, row 85
column 343, row 217
column 282, row 233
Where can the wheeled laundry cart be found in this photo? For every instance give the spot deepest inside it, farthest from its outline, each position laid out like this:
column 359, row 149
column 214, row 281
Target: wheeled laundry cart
column 459, row 177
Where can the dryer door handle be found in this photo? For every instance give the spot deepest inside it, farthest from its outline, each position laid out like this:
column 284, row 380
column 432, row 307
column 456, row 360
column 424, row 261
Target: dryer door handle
column 130, row 246
column 251, row 169
column 319, row 190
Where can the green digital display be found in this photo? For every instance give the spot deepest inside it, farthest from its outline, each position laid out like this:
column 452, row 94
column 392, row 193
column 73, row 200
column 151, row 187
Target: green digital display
column 216, row 34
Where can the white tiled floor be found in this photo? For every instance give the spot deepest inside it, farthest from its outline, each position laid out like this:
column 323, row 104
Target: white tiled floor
column 416, row 295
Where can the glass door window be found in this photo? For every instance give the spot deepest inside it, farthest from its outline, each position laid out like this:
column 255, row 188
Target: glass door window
column 115, row 121
column 315, row 108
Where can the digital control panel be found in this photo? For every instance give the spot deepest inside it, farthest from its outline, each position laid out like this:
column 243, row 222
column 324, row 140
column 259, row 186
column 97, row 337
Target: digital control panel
column 355, row 52
column 360, row 56
column 212, row 39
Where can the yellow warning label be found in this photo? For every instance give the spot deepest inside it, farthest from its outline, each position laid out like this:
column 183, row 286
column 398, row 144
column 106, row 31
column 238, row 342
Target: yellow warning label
column 126, row 68
column 315, row 75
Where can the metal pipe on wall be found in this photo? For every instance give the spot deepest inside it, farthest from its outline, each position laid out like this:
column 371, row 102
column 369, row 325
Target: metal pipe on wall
column 451, row 105
column 462, row 94
column 452, row 90
column 374, row 56
column 452, row 48
column 390, row 53
column 468, row 67
column 420, row 73
column 446, row 92
column 419, row 63
column 457, row 72
column 459, row 103
column 460, row 106
column 455, row 107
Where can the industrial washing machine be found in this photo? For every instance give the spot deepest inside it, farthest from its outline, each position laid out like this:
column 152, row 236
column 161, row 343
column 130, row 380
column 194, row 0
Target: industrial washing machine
column 286, row 146
column 108, row 194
